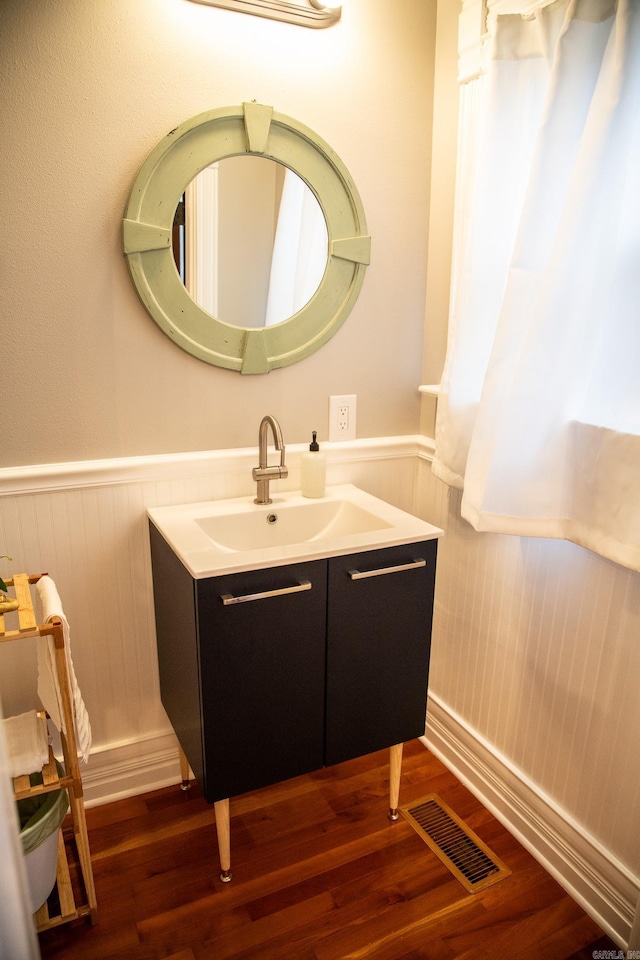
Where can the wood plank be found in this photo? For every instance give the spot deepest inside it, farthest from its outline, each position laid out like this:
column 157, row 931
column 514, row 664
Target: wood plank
column 22, row 786
column 26, row 615
column 27, row 626
column 50, row 771
column 319, row 874
column 63, row 877
column 41, row 917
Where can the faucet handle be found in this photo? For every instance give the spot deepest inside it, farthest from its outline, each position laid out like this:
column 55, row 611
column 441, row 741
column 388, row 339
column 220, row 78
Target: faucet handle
column 275, row 472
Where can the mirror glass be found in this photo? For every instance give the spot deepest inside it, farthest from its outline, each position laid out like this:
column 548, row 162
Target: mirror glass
column 250, row 241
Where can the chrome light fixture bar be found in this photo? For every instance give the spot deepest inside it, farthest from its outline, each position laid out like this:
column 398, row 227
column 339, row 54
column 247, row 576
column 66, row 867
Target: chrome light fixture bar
column 313, row 14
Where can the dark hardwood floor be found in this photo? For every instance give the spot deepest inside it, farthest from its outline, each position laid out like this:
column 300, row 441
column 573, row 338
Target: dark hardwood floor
column 319, row 873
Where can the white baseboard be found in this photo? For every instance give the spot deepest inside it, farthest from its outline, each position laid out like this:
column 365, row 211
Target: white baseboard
column 128, row 768
column 602, row 886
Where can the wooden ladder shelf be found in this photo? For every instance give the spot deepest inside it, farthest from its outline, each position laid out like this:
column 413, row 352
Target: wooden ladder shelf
column 73, row 904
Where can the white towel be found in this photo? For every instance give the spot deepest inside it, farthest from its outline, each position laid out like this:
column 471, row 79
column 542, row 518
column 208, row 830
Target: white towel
column 48, row 686
column 27, row 743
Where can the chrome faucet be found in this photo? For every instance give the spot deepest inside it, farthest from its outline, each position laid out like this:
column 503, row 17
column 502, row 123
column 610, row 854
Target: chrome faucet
column 263, row 472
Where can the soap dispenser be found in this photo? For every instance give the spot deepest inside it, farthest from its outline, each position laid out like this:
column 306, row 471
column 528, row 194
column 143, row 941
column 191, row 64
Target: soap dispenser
column 313, row 470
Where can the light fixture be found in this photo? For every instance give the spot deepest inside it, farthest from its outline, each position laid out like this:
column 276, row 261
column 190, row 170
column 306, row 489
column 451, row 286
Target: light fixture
column 313, row 13
column 319, row 5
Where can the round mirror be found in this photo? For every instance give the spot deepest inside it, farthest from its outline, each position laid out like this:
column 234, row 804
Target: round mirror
column 249, row 217
column 233, row 341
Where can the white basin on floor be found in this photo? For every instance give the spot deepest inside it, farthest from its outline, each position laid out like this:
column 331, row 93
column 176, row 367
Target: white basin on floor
column 227, row 536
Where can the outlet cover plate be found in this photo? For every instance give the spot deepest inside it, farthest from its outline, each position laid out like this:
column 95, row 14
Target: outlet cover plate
column 342, row 417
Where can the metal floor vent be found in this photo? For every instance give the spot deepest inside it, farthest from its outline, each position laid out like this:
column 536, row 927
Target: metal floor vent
column 465, row 855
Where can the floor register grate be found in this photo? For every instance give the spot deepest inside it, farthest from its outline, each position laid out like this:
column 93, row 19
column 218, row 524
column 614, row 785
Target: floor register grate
column 465, row 855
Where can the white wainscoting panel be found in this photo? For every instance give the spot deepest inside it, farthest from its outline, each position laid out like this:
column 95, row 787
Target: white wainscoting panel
column 85, row 524
column 535, row 655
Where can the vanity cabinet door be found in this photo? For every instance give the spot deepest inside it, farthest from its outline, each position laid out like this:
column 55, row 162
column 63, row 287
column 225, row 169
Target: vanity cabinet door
column 379, row 637
column 262, row 656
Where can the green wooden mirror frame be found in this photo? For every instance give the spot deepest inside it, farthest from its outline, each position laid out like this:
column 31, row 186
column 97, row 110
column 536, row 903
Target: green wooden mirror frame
column 256, row 129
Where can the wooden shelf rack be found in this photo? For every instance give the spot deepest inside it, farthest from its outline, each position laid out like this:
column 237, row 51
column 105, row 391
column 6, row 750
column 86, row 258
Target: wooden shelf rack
column 79, row 902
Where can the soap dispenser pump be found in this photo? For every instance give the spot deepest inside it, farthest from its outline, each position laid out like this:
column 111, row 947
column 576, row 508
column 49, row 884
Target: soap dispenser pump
column 313, row 470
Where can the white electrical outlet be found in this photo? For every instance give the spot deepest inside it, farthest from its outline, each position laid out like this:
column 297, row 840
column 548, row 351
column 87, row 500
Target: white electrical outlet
column 342, row 417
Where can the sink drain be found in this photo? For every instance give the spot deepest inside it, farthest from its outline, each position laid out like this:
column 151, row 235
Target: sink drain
column 272, row 517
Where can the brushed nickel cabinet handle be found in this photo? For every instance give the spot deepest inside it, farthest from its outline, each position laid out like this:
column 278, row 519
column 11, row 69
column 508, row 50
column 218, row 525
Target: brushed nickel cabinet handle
column 229, row 598
column 362, row 574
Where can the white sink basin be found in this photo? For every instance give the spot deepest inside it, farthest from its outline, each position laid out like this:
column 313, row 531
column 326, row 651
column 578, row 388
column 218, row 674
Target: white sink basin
column 288, row 523
column 227, row 536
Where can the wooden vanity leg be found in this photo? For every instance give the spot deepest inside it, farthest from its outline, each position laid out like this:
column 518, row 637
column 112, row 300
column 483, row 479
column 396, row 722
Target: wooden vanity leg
column 223, row 830
column 395, row 768
column 184, row 770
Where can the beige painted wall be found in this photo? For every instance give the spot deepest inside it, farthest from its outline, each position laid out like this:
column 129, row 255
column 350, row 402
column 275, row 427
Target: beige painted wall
column 88, row 88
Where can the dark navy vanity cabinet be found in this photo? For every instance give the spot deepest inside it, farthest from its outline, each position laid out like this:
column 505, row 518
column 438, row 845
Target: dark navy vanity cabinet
column 272, row 673
column 275, row 672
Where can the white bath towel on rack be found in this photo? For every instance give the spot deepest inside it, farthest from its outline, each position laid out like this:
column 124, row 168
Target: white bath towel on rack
column 48, row 686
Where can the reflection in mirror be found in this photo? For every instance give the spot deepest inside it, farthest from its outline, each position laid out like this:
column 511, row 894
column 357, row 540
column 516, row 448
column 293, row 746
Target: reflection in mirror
column 250, row 241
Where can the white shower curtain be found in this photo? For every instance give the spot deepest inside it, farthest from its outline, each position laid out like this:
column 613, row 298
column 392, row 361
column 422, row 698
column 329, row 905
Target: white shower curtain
column 299, row 251
column 539, row 414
